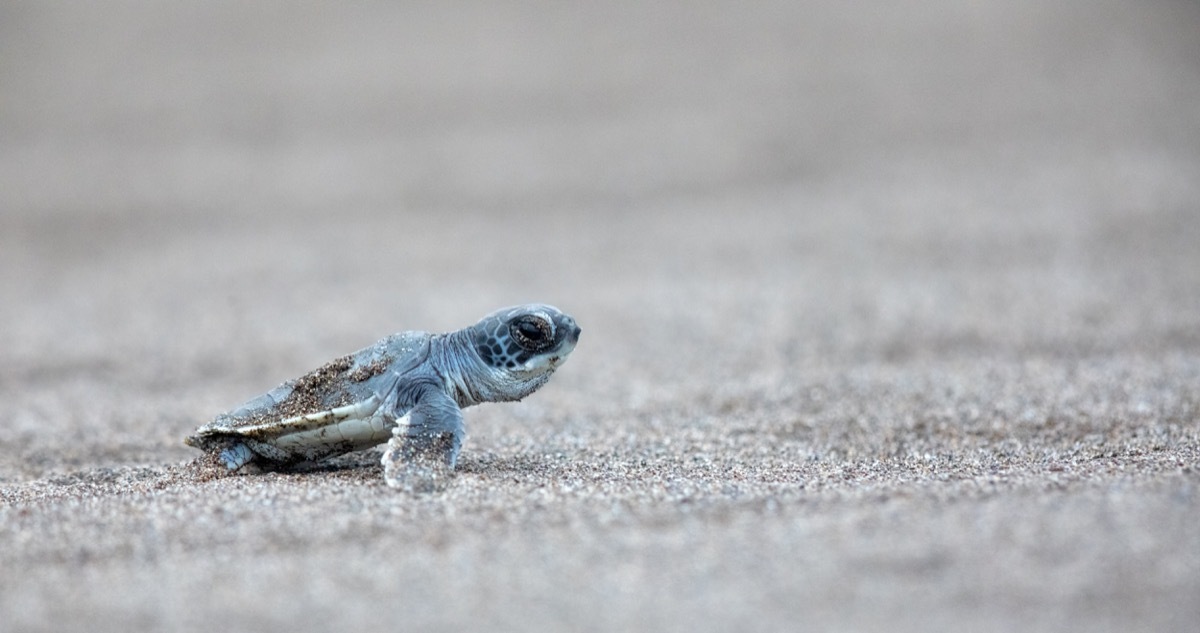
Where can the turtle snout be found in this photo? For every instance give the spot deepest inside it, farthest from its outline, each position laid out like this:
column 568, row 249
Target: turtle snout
column 574, row 335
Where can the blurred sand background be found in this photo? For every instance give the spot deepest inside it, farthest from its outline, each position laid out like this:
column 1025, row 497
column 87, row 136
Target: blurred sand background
column 891, row 311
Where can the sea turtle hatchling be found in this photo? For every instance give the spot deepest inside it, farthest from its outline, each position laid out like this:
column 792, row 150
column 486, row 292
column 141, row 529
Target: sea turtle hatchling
column 408, row 390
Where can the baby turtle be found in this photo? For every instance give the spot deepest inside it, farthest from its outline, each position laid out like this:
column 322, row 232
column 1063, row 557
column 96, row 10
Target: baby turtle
column 408, row 390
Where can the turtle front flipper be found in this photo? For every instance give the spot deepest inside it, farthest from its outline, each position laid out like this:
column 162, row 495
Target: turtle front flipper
column 424, row 447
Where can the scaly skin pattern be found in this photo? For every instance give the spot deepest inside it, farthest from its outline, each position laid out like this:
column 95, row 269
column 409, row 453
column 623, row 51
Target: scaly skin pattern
column 407, row 389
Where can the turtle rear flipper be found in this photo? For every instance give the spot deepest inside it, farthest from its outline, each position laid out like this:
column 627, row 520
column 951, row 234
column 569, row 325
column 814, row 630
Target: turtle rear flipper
column 236, row 455
column 230, row 452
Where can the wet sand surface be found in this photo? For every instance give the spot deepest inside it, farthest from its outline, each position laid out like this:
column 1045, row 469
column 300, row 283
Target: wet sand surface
column 891, row 312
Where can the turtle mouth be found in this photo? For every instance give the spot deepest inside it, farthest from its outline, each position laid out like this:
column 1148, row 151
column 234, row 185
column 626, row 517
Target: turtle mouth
column 548, row 363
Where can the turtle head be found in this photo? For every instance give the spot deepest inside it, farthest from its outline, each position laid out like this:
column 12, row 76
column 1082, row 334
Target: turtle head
column 523, row 345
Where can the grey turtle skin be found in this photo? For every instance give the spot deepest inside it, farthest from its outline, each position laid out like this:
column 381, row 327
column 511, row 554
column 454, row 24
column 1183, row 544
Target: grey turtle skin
column 407, row 389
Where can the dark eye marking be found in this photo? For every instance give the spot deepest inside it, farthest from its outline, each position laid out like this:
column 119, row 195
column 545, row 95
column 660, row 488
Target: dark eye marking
column 532, row 331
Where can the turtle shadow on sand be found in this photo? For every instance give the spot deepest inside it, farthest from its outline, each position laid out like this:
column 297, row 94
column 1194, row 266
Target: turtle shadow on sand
column 208, row 467
column 421, row 474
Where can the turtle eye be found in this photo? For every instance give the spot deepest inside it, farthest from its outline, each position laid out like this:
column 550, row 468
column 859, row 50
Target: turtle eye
column 532, row 333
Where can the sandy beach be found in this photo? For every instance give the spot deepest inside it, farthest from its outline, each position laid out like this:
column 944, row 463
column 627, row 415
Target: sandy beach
column 890, row 311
